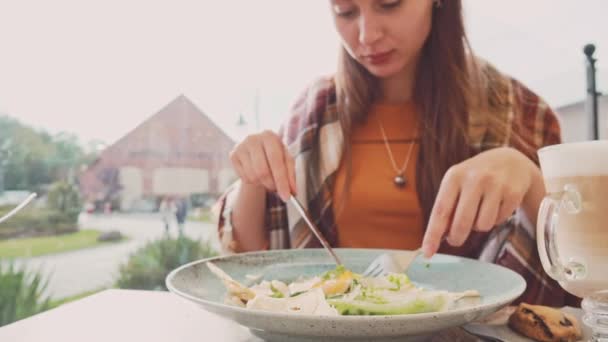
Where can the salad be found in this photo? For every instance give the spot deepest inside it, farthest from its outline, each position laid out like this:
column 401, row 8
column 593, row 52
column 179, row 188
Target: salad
column 340, row 292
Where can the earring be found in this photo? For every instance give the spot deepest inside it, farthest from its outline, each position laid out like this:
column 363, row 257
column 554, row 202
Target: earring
column 437, row 3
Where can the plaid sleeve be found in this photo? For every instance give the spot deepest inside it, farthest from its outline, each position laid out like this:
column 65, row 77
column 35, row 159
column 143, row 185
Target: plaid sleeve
column 534, row 125
column 305, row 116
column 275, row 221
column 223, row 212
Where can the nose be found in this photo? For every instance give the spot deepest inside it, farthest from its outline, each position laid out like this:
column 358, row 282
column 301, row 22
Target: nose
column 370, row 29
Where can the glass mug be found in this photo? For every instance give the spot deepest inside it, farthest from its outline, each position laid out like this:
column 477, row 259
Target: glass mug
column 572, row 225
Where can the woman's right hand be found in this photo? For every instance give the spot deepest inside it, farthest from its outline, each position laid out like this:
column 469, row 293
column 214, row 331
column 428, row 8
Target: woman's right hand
column 263, row 159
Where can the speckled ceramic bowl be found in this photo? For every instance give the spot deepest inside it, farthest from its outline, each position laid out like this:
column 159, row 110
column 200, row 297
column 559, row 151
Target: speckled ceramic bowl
column 498, row 287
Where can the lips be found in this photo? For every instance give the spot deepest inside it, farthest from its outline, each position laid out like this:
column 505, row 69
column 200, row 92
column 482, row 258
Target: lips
column 379, row 58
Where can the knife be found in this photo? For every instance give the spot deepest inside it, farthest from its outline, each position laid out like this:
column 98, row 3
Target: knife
column 314, row 228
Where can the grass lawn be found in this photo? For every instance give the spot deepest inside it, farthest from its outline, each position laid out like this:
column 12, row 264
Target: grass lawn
column 204, row 216
column 32, row 247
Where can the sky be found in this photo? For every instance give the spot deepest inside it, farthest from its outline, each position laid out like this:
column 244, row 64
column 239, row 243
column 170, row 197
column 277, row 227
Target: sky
column 99, row 68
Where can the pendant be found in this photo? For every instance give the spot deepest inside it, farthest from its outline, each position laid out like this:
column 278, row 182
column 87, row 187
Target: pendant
column 400, row 181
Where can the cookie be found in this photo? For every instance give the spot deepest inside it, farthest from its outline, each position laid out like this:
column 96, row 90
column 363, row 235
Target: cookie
column 545, row 324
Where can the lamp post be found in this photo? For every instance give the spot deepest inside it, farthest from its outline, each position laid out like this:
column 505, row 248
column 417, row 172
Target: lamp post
column 242, row 127
column 592, row 94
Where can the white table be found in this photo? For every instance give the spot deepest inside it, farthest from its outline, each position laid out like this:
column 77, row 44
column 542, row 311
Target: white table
column 134, row 316
column 126, row 315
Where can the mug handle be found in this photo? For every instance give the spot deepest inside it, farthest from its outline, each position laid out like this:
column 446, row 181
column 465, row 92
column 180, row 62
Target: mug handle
column 546, row 229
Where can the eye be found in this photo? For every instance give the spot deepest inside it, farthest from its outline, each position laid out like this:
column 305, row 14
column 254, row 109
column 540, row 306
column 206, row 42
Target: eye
column 388, row 5
column 344, row 11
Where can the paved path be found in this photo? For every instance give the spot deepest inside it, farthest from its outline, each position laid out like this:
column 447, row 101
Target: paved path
column 89, row 269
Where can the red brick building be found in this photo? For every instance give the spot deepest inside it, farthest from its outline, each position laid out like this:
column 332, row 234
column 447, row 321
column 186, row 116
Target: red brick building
column 177, row 151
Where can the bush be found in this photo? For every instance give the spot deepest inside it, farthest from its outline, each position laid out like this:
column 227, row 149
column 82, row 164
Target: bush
column 21, row 293
column 148, row 267
column 60, row 217
column 38, row 222
column 64, row 198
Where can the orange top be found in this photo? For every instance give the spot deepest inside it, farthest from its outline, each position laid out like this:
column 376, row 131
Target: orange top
column 378, row 214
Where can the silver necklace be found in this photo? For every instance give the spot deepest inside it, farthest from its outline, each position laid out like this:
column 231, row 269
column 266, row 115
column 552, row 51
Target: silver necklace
column 400, row 180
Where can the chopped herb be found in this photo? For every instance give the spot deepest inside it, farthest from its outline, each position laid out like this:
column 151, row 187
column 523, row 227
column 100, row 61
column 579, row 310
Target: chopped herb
column 369, row 296
column 276, row 293
column 353, row 284
column 333, row 274
column 427, row 265
column 398, row 280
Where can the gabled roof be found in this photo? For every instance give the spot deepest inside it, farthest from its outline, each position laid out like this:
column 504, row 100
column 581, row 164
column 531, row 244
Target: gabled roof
column 183, row 113
column 179, row 128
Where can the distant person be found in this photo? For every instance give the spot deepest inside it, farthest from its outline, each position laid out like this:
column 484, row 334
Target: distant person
column 107, row 208
column 89, row 207
column 181, row 214
column 168, row 210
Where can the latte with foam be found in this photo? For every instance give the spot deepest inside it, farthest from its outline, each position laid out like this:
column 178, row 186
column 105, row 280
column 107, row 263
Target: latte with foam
column 576, row 177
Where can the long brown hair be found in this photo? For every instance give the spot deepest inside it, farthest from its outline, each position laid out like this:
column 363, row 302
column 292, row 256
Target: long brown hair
column 447, row 85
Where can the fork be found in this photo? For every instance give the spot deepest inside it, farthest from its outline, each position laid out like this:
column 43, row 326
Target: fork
column 396, row 262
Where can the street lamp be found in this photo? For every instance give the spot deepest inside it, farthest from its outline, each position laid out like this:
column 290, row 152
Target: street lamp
column 592, row 93
column 241, row 121
column 242, row 127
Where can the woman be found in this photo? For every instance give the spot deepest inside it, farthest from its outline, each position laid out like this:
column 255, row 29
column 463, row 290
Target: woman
column 167, row 209
column 414, row 142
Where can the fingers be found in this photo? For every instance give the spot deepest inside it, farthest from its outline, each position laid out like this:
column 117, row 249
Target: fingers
column 488, row 210
column 465, row 214
column 263, row 159
column 275, row 156
column 510, row 202
column 478, row 193
column 441, row 213
column 239, row 169
column 260, row 168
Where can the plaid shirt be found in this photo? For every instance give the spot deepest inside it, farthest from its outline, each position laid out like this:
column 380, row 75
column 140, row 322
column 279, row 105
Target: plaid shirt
column 314, row 119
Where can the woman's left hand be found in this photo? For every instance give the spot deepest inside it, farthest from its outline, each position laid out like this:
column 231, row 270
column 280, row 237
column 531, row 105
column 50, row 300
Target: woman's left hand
column 479, row 193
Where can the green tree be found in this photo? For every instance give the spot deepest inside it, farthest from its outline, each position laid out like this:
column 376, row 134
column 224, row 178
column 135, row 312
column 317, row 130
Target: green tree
column 66, row 157
column 26, row 167
column 32, row 158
